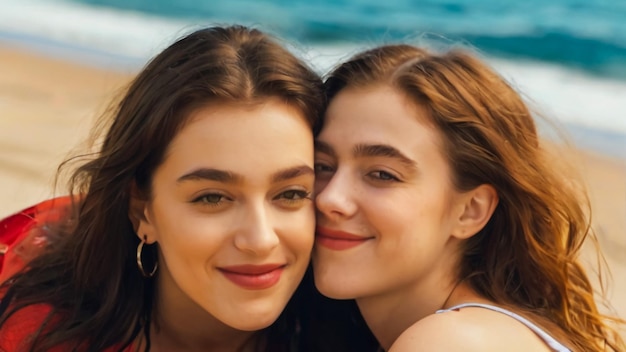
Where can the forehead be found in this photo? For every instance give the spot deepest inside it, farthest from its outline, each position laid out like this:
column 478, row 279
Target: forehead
column 378, row 114
column 240, row 138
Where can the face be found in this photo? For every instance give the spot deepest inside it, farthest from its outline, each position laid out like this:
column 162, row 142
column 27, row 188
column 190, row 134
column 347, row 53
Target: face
column 386, row 205
column 232, row 213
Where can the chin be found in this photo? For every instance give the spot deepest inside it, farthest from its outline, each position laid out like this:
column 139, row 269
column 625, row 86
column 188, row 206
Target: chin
column 258, row 320
column 334, row 287
column 261, row 314
column 253, row 321
column 332, row 283
column 255, row 324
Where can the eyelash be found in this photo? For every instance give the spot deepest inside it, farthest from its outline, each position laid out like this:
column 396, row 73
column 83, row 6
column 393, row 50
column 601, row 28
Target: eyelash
column 320, row 167
column 378, row 176
column 293, row 196
column 289, row 196
column 203, row 199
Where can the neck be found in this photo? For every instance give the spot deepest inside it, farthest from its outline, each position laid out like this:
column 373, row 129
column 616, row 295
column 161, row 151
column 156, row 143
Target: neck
column 179, row 324
column 388, row 315
column 464, row 293
column 167, row 335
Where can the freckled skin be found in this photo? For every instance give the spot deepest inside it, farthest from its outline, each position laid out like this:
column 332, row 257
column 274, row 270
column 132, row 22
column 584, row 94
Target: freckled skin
column 406, row 209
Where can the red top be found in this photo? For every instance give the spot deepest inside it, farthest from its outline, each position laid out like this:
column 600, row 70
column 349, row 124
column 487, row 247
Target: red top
column 16, row 332
column 22, row 235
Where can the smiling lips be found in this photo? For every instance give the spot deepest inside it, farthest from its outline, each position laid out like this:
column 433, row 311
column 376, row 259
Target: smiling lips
column 253, row 277
column 338, row 240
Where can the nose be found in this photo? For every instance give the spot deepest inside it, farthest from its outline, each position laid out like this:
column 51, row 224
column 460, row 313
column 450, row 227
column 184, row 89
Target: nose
column 335, row 197
column 256, row 234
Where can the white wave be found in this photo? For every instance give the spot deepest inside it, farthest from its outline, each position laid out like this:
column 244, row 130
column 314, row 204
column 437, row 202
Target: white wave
column 123, row 33
column 568, row 95
column 557, row 92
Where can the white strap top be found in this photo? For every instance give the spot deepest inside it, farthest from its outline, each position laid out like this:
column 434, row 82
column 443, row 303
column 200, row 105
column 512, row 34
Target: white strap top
column 549, row 340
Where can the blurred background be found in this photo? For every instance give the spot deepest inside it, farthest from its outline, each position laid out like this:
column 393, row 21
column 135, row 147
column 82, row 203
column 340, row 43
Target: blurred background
column 569, row 56
column 62, row 60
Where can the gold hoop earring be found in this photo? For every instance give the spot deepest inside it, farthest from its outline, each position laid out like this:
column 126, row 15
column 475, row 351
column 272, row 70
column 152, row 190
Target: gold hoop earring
column 140, row 263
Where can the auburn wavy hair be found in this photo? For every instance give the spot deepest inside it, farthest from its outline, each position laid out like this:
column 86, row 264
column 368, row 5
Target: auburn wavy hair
column 526, row 257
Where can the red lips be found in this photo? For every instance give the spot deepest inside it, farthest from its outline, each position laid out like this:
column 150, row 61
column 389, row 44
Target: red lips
column 253, row 277
column 338, row 240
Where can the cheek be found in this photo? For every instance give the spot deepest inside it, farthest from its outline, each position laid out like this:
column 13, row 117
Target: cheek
column 403, row 217
column 297, row 230
column 187, row 251
column 185, row 234
column 391, row 208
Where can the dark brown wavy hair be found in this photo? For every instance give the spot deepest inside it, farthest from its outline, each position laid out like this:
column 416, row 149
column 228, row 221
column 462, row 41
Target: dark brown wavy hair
column 526, row 257
column 90, row 277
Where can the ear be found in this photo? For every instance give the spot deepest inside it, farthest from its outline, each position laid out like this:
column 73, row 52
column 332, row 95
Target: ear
column 478, row 206
column 138, row 213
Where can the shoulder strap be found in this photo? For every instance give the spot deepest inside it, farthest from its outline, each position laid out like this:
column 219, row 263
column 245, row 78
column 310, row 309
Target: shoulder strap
column 549, row 340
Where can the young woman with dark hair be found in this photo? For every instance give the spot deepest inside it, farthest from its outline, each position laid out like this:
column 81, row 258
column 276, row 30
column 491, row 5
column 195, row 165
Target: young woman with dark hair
column 191, row 228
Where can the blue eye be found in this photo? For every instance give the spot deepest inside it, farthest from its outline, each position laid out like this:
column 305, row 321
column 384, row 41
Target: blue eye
column 382, row 176
column 319, row 168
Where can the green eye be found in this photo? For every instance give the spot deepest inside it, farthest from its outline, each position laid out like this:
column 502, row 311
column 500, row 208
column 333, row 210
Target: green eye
column 292, row 199
column 294, row 195
column 213, row 198
column 210, row 199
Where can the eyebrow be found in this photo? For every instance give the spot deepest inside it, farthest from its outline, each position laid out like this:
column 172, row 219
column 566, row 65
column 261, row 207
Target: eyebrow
column 292, row 172
column 383, row 150
column 325, row 148
column 369, row 150
column 208, row 174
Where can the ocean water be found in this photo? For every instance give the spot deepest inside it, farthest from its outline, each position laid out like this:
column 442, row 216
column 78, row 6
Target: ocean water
column 568, row 57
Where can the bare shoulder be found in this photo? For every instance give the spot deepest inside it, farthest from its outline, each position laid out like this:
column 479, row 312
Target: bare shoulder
column 441, row 332
column 468, row 329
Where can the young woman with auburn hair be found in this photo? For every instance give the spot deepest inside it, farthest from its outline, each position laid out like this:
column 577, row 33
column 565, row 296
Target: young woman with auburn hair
column 191, row 228
column 441, row 215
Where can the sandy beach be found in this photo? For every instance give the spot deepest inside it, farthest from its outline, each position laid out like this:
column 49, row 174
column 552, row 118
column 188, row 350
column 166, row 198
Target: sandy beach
column 47, row 107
